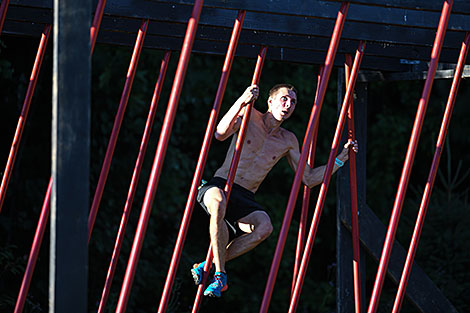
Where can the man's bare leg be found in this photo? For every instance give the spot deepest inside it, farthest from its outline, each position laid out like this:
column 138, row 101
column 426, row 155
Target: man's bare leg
column 258, row 227
column 214, row 199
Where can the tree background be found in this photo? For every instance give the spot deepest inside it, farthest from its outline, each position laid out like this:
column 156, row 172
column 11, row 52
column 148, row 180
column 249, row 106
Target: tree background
column 444, row 247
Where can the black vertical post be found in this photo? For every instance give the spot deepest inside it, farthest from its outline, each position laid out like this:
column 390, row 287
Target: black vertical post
column 70, row 157
column 344, row 254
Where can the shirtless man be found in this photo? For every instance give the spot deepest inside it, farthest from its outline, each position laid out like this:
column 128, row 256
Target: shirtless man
column 265, row 144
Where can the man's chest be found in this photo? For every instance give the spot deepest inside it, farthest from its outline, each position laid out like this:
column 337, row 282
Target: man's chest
column 265, row 145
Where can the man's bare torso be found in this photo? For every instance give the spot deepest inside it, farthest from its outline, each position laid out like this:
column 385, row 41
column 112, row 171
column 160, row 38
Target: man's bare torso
column 261, row 151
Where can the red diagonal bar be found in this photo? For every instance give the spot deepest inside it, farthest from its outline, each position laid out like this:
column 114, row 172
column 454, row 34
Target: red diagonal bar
column 232, row 170
column 303, row 156
column 33, row 255
column 3, row 13
column 326, row 179
column 134, row 181
column 410, row 153
column 305, row 199
column 95, row 25
column 201, row 161
column 24, row 113
column 117, row 126
column 159, row 156
column 432, row 175
column 353, row 195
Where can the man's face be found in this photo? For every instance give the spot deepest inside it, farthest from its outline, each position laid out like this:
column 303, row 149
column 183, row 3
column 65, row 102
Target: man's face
column 282, row 104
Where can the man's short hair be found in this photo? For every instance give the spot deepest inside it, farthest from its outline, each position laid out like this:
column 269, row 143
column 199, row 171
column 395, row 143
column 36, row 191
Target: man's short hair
column 275, row 89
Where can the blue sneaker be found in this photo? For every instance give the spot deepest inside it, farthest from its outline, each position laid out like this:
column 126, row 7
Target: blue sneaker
column 197, row 271
column 219, row 285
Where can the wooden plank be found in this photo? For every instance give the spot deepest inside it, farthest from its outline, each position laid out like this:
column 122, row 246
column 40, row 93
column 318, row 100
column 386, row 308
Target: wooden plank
column 306, row 34
column 246, row 50
column 28, row 14
column 405, row 15
column 68, row 261
column 460, row 6
column 367, row 76
column 16, row 28
column 279, row 39
column 262, row 38
column 359, row 29
column 288, row 24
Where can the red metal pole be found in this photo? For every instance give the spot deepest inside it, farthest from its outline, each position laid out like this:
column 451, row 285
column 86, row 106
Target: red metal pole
column 24, row 113
column 41, row 223
column 95, row 26
column 353, row 195
column 3, row 13
column 432, row 175
column 159, row 156
column 134, row 181
column 33, row 255
column 233, row 169
column 326, row 178
column 405, row 175
column 201, row 161
column 305, row 200
column 303, row 156
column 117, row 125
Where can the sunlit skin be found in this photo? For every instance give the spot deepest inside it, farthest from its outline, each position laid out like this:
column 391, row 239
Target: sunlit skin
column 265, row 144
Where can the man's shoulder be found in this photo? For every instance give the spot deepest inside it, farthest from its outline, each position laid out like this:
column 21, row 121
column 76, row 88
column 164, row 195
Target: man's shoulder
column 287, row 134
column 256, row 113
column 288, row 138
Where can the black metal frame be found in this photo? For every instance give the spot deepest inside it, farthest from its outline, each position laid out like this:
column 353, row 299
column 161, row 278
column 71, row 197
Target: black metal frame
column 399, row 33
column 399, row 36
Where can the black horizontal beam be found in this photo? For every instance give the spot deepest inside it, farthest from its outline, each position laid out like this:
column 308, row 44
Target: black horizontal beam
column 459, row 6
column 247, row 50
column 289, row 24
column 405, row 54
column 250, row 50
column 370, row 76
column 297, row 17
column 360, row 11
column 281, row 32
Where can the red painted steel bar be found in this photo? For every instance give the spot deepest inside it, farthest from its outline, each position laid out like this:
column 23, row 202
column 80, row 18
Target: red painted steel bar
column 233, row 169
column 353, row 195
column 3, row 13
column 305, row 199
column 95, row 25
column 326, row 178
column 117, row 126
column 24, row 113
column 159, row 156
column 432, row 175
column 134, row 181
column 303, row 156
column 33, row 255
column 45, row 208
column 405, row 175
column 201, row 161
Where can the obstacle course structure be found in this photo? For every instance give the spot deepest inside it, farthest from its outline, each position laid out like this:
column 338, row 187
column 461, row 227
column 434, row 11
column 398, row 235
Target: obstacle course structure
column 392, row 40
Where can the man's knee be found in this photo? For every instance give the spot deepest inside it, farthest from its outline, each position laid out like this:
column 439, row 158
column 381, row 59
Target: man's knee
column 264, row 229
column 214, row 200
column 259, row 223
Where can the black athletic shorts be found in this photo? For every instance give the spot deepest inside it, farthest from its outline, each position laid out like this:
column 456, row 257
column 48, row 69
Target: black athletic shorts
column 241, row 203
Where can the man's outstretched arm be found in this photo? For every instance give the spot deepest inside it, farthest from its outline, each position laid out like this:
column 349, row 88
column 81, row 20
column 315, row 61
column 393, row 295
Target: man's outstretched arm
column 231, row 121
column 313, row 177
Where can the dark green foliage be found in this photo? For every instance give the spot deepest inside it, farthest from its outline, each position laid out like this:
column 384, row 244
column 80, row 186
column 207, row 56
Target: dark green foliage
column 443, row 252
